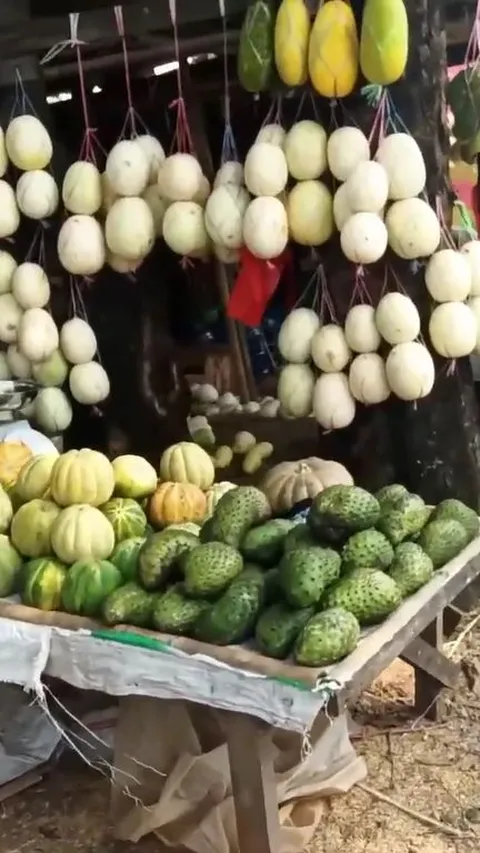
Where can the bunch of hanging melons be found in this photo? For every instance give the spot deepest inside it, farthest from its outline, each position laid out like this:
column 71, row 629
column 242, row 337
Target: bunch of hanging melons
column 328, row 51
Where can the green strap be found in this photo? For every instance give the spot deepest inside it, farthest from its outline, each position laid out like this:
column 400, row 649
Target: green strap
column 131, row 639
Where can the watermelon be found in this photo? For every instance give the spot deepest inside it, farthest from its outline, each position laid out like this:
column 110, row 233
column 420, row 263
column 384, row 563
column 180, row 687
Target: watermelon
column 10, row 567
column 125, row 557
column 126, row 517
column 42, row 583
column 88, row 584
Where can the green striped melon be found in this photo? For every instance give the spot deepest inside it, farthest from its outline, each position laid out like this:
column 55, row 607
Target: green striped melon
column 126, row 517
column 125, row 556
column 42, row 583
column 10, row 567
column 87, row 585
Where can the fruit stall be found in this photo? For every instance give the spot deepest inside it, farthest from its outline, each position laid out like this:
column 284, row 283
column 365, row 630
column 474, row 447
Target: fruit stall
column 233, row 536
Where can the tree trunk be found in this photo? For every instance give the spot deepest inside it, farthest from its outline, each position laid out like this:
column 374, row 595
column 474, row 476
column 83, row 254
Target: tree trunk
column 436, row 441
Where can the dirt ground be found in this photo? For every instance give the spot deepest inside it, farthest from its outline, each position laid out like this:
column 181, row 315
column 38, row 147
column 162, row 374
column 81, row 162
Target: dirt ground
column 433, row 769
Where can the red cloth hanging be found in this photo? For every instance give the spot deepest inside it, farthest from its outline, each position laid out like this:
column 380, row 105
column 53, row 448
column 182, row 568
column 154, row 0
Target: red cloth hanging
column 255, row 285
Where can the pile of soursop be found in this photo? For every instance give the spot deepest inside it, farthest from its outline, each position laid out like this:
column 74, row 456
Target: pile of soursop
column 304, row 590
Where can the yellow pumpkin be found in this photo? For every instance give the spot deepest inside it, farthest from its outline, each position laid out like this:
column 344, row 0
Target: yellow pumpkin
column 34, row 478
column 175, row 503
column 186, row 462
column 82, row 532
column 82, row 477
column 333, row 50
column 290, row 483
column 13, row 456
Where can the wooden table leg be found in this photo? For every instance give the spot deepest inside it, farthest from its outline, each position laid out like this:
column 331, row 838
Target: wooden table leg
column 253, row 784
column 433, row 670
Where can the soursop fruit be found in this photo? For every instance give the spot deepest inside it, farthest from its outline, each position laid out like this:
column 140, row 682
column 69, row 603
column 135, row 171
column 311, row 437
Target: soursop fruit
column 210, row 568
column 299, row 537
column 174, row 613
column 327, row 638
column 339, row 511
column 411, row 568
column 371, row 595
column 403, row 517
column 443, row 540
column 306, row 573
column 232, row 618
column 367, row 549
column 160, row 554
column 264, row 544
column 236, row 512
column 278, row 628
column 389, row 494
column 458, row 511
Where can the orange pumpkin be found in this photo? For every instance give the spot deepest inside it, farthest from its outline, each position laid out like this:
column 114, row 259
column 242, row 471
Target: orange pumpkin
column 175, row 503
column 13, row 456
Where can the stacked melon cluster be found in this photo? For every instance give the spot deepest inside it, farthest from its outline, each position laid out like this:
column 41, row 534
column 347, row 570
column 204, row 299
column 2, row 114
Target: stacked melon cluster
column 79, row 520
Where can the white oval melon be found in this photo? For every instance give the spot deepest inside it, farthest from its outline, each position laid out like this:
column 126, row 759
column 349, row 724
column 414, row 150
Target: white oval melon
column 397, row 318
column 37, row 334
column 82, row 188
column 28, row 143
column 265, row 170
column 295, row 390
column 10, row 315
column 366, row 189
column 89, row 383
column 184, row 228
column 296, row 334
column 180, row 177
column 364, row 238
column 448, row 276
column 347, row 147
column 400, row 156
column 224, row 213
column 52, row 410
column 30, row 286
column 129, row 228
column 78, row 341
column 453, row 330
column 410, row 371
column 9, row 212
column 154, row 152
column 8, row 265
column 413, row 229
column 361, row 332
column 229, row 172
column 329, row 349
column 158, row 205
column 333, row 403
column 265, row 227
column 81, row 245
column 127, row 168
column 273, row 133
column 367, row 379
column 310, row 213
column 306, row 150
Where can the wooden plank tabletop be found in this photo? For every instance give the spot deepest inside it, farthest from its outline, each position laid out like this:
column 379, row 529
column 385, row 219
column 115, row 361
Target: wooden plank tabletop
column 377, row 648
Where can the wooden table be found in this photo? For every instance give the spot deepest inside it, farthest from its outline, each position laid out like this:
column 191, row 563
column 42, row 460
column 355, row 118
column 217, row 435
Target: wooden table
column 415, row 632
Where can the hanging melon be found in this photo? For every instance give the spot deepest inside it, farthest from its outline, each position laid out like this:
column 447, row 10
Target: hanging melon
column 255, row 58
column 448, row 276
column 367, row 379
column 333, row 50
column 224, row 214
column 413, row 229
column 384, row 41
column 367, row 188
column 346, row 148
column 306, row 150
column 127, row 168
column 292, row 31
column 453, row 330
column 37, row 194
column 333, row 404
column 361, row 332
column 329, row 349
column 295, row 390
column 265, row 169
column 471, row 250
column 184, row 228
column 341, row 207
column 273, row 133
column 265, row 227
column 400, row 156
column 364, row 238
column 410, row 371
column 8, row 265
column 310, row 213
column 296, row 334
column 397, row 319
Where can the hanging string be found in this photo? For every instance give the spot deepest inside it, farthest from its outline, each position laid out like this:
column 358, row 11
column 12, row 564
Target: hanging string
column 326, row 310
column 132, row 119
column 36, row 251
column 21, row 102
column 472, row 53
column 182, row 140
column 443, row 225
column 360, row 294
column 310, row 295
column 274, row 114
column 229, row 148
column 376, row 98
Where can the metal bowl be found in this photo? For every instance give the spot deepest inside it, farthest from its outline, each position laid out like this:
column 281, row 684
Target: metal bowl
column 17, row 393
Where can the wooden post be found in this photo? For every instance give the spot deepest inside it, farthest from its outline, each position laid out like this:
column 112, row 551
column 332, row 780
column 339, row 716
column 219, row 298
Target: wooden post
column 436, row 441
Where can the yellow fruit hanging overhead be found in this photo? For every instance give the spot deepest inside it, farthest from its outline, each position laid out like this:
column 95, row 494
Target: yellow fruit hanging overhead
column 333, row 50
column 292, row 31
column 384, row 41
